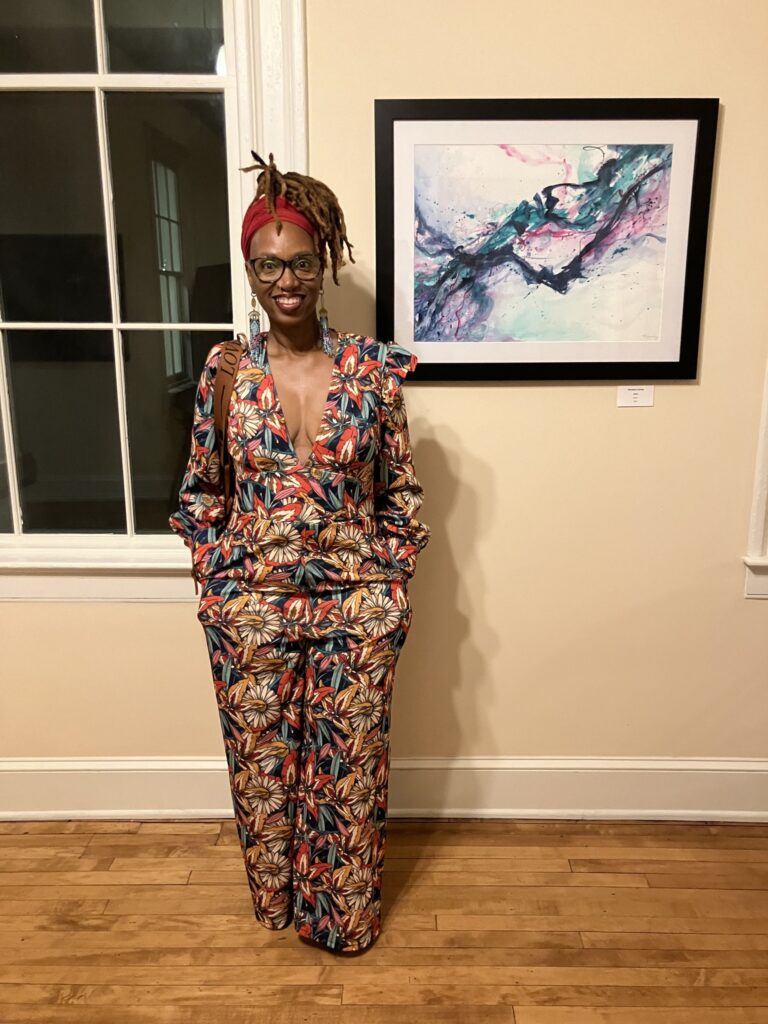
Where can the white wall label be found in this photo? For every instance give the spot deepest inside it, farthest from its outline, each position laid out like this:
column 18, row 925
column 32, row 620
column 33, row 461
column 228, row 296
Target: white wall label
column 635, row 394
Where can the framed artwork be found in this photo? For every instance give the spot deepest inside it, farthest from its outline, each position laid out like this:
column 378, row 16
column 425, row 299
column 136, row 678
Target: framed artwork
column 544, row 239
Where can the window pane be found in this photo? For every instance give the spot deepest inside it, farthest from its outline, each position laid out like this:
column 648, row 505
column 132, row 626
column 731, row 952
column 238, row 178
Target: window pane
column 175, row 247
column 64, row 411
column 184, row 133
column 47, row 36
column 164, row 254
column 161, row 192
column 160, row 392
column 165, row 35
column 53, row 255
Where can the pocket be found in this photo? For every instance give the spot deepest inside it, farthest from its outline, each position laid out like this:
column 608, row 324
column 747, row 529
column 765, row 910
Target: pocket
column 402, row 566
column 369, row 614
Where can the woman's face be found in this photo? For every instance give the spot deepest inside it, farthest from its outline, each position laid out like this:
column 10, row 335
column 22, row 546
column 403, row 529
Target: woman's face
column 288, row 301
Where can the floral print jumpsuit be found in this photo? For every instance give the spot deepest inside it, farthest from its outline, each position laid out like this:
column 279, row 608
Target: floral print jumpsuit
column 305, row 608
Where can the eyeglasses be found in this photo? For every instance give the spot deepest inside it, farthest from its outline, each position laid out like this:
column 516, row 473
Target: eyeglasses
column 305, row 266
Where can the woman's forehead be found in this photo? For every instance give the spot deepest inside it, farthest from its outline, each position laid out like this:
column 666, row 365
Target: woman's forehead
column 291, row 240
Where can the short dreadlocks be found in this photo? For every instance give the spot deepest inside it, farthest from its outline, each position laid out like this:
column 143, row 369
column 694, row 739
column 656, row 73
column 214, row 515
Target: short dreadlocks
column 315, row 200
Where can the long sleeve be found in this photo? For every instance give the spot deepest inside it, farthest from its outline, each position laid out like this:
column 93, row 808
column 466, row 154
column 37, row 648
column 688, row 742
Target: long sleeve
column 398, row 495
column 201, row 510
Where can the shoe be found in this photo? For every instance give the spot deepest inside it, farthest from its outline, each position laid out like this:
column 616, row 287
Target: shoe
column 337, row 952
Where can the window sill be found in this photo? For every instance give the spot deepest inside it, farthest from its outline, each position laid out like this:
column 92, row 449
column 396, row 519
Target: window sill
column 95, row 567
column 756, row 582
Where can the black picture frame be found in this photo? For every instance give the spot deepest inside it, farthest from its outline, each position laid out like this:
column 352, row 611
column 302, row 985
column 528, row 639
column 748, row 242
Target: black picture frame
column 692, row 122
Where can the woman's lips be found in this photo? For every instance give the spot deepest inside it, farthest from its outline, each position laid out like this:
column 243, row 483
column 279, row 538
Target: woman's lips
column 288, row 303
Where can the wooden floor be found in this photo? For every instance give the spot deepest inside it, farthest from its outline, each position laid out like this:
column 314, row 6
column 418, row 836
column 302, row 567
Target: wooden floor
column 484, row 921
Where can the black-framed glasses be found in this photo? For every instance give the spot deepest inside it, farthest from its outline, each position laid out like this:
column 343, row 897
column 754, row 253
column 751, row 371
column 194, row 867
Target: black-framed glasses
column 305, row 266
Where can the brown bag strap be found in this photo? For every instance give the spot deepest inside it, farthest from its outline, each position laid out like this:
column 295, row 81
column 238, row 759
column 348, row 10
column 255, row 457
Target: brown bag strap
column 226, row 371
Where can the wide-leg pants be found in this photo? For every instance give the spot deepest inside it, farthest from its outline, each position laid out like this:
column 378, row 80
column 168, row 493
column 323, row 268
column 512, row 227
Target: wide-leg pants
column 303, row 683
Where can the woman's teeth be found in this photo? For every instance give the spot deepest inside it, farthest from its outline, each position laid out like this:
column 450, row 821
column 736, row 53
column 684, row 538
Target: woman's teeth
column 289, row 303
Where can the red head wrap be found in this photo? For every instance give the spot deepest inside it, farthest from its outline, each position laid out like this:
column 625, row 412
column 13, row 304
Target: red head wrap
column 257, row 215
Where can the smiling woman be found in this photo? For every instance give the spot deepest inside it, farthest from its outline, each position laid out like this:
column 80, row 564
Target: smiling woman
column 304, row 598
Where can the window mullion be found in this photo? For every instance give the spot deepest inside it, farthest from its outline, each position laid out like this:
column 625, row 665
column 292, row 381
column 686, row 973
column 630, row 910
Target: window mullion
column 95, row 325
column 240, row 97
column 10, row 445
column 101, row 40
column 117, row 338
column 116, row 81
column 235, row 188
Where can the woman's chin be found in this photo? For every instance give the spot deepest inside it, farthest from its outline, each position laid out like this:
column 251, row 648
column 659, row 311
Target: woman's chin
column 302, row 315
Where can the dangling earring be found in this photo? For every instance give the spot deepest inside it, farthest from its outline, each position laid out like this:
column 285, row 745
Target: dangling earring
column 325, row 332
column 254, row 321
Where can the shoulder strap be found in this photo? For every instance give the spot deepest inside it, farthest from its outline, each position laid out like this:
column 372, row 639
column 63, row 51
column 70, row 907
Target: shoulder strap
column 226, row 371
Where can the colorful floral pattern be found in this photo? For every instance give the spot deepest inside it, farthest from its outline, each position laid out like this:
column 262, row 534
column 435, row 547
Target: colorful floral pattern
column 304, row 702
column 305, row 609
column 347, row 514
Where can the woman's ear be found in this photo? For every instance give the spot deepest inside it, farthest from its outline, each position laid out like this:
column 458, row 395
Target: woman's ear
column 250, row 275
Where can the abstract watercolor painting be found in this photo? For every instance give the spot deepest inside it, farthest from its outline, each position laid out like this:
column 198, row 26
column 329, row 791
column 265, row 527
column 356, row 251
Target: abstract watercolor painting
column 544, row 238
column 522, row 243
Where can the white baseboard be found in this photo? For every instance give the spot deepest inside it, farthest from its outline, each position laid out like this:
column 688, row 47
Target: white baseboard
column 643, row 789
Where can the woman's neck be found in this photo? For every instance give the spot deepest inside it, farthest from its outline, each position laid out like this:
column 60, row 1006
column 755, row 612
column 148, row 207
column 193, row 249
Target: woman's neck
column 302, row 338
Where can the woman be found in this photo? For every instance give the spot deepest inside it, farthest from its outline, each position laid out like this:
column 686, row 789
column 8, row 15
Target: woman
column 304, row 598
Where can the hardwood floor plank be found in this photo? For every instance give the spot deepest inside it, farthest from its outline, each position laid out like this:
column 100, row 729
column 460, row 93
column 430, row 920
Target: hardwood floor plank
column 223, row 863
column 564, row 831
column 34, row 841
column 453, row 837
column 253, row 1013
column 318, row 967
column 564, row 827
column 264, row 993
column 180, row 828
column 736, row 879
column 161, row 850
column 173, row 927
column 560, row 900
column 646, row 1015
column 9, row 854
column 82, row 887
column 371, row 994
column 506, row 858
column 397, row 949
column 49, row 828
column 40, row 865
column 615, row 927
column 22, row 908
column 145, row 839
column 735, row 937
column 661, row 863
column 236, row 876
column 34, row 881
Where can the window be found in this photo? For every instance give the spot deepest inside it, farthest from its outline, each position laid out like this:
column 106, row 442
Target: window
column 119, row 230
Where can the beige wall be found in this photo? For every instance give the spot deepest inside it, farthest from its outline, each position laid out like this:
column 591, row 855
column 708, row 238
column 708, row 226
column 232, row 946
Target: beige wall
column 582, row 593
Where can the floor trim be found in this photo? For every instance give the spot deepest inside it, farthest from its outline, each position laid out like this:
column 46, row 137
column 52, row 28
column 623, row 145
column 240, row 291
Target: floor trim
column 683, row 789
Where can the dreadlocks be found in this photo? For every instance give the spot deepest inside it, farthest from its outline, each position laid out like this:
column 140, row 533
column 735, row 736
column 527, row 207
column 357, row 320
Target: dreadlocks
column 314, row 199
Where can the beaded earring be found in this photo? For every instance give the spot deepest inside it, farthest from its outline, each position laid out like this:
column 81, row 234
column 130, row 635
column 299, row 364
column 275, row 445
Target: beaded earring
column 254, row 321
column 325, row 332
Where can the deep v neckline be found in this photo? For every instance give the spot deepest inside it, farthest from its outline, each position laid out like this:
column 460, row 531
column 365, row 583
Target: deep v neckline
column 279, row 405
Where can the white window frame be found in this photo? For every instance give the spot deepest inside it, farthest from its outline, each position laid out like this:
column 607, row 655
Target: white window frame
column 756, row 559
column 265, row 107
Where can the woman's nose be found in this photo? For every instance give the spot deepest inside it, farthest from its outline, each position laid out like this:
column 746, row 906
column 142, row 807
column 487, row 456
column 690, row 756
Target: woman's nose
column 288, row 279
